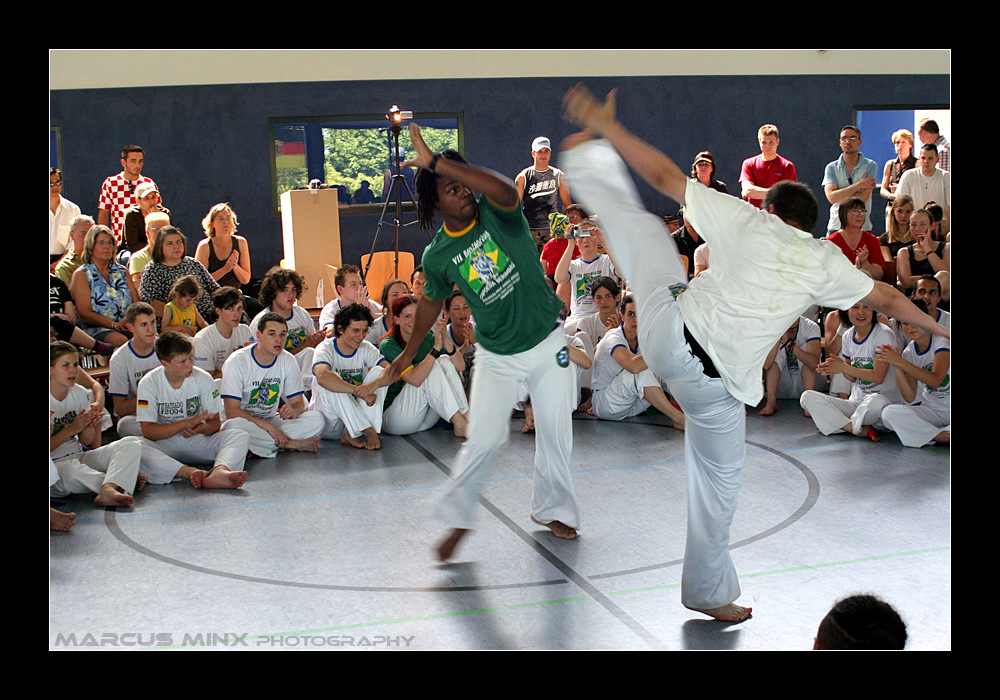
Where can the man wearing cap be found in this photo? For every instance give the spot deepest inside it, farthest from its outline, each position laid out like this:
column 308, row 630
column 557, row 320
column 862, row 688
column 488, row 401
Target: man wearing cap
column 541, row 188
column 147, row 201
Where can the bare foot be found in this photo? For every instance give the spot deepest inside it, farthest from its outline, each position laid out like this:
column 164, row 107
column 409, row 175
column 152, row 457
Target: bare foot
column 308, row 445
column 140, row 482
column 460, row 424
column 371, row 439
column 447, row 546
column 60, row 521
column 197, row 476
column 529, row 420
column 769, row 410
column 727, row 613
column 585, row 406
column 352, row 441
column 559, row 529
column 111, row 496
column 221, row 478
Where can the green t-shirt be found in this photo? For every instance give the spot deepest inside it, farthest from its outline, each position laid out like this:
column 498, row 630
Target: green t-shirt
column 495, row 264
column 390, row 350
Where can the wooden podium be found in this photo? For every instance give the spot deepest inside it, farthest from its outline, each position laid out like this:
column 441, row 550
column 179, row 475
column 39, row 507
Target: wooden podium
column 310, row 226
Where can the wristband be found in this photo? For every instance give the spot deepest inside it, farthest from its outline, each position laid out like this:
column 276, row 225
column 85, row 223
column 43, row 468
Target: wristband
column 435, row 353
column 434, row 161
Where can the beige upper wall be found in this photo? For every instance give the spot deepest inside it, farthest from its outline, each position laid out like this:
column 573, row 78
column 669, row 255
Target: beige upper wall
column 82, row 68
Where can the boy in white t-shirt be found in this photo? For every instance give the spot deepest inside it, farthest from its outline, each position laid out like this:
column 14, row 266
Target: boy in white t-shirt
column 790, row 367
column 351, row 289
column 280, row 292
column 82, row 464
column 214, row 345
column 178, row 410
column 341, row 367
column 130, row 363
column 254, row 380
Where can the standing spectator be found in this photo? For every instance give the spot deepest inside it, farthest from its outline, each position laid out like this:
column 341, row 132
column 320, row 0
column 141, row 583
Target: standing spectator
column 761, row 172
column 225, row 255
column 902, row 140
column 703, row 170
column 928, row 183
column 851, row 175
column 541, row 188
column 61, row 214
column 118, row 192
column 930, row 132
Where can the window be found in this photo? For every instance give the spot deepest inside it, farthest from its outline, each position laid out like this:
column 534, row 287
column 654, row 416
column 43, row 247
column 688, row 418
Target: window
column 352, row 153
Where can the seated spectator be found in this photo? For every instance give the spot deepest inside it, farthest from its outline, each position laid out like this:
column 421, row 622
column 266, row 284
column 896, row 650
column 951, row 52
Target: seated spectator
column 170, row 262
column 147, row 202
column 860, row 247
column 925, row 256
column 364, row 194
column 178, row 412
column 462, row 331
column 140, row 258
column 62, row 212
column 391, row 290
column 923, row 371
column 351, row 289
column 130, row 363
column 180, row 313
column 790, row 367
column 701, row 255
column 873, row 386
column 224, row 254
column 688, row 242
column 62, row 319
column 623, row 386
column 902, row 140
column 73, row 258
column 342, row 367
column 102, row 289
column 83, row 464
column 263, row 394
column 431, row 389
column 582, row 272
column 279, row 292
column 417, row 279
column 213, row 345
column 941, row 227
column 861, row 622
column 897, row 228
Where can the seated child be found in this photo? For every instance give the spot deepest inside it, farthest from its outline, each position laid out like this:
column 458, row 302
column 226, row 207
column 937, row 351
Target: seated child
column 180, row 314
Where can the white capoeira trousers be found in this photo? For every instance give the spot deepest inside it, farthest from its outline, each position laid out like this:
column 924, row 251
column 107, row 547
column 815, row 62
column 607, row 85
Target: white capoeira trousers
column 115, row 463
column 223, row 448
column 624, row 397
column 419, row 408
column 307, row 425
column 496, row 385
column 715, row 422
column 916, row 426
column 831, row 414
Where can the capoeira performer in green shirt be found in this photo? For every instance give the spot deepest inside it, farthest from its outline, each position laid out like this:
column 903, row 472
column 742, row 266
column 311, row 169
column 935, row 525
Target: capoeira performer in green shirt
column 485, row 248
column 766, row 270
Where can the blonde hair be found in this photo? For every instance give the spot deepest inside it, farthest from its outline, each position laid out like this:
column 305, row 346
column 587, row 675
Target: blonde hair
column 209, row 220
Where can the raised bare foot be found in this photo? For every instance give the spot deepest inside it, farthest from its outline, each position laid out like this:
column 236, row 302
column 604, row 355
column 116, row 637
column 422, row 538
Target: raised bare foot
column 726, row 613
column 111, row 496
column 60, row 521
column 559, row 529
column 447, row 546
column 221, row 478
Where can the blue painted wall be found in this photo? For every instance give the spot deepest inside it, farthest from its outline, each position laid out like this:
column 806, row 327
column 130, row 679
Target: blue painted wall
column 206, row 144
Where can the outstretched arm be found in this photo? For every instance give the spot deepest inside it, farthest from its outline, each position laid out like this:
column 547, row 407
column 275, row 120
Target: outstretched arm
column 891, row 302
column 652, row 165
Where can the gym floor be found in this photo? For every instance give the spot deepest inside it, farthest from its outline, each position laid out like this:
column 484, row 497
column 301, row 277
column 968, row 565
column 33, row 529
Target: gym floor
column 333, row 550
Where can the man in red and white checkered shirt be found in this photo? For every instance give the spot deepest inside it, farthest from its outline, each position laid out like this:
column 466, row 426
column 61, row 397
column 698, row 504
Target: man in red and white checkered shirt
column 118, row 192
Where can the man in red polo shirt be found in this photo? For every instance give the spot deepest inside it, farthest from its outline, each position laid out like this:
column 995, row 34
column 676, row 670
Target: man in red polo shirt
column 762, row 172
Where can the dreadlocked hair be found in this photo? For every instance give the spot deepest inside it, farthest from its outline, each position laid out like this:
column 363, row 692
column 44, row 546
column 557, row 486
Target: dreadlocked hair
column 427, row 197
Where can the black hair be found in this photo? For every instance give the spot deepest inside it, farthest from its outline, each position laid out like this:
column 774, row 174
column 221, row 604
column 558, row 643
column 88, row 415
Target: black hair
column 862, row 622
column 427, row 197
column 348, row 315
column 794, row 203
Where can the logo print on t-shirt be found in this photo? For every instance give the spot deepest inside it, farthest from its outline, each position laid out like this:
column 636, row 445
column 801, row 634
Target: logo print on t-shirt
column 483, row 263
column 265, row 394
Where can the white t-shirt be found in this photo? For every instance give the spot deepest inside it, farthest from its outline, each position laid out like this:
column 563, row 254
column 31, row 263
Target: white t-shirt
column 158, row 402
column 582, row 275
column 351, row 368
column 329, row 313
column 764, row 274
column 807, row 331
column 938, row 399
column 861, row 354
column 923, row 189
column 300, row 325
column 259, row 388
column 62, row 413
column 127, row 368
column 212, row 349
column 606, row 367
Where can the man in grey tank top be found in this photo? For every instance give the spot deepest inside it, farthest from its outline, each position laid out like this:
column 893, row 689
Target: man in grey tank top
column 541, row 188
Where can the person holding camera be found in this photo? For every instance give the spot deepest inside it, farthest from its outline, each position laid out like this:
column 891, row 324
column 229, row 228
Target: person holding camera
column 582, row 272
